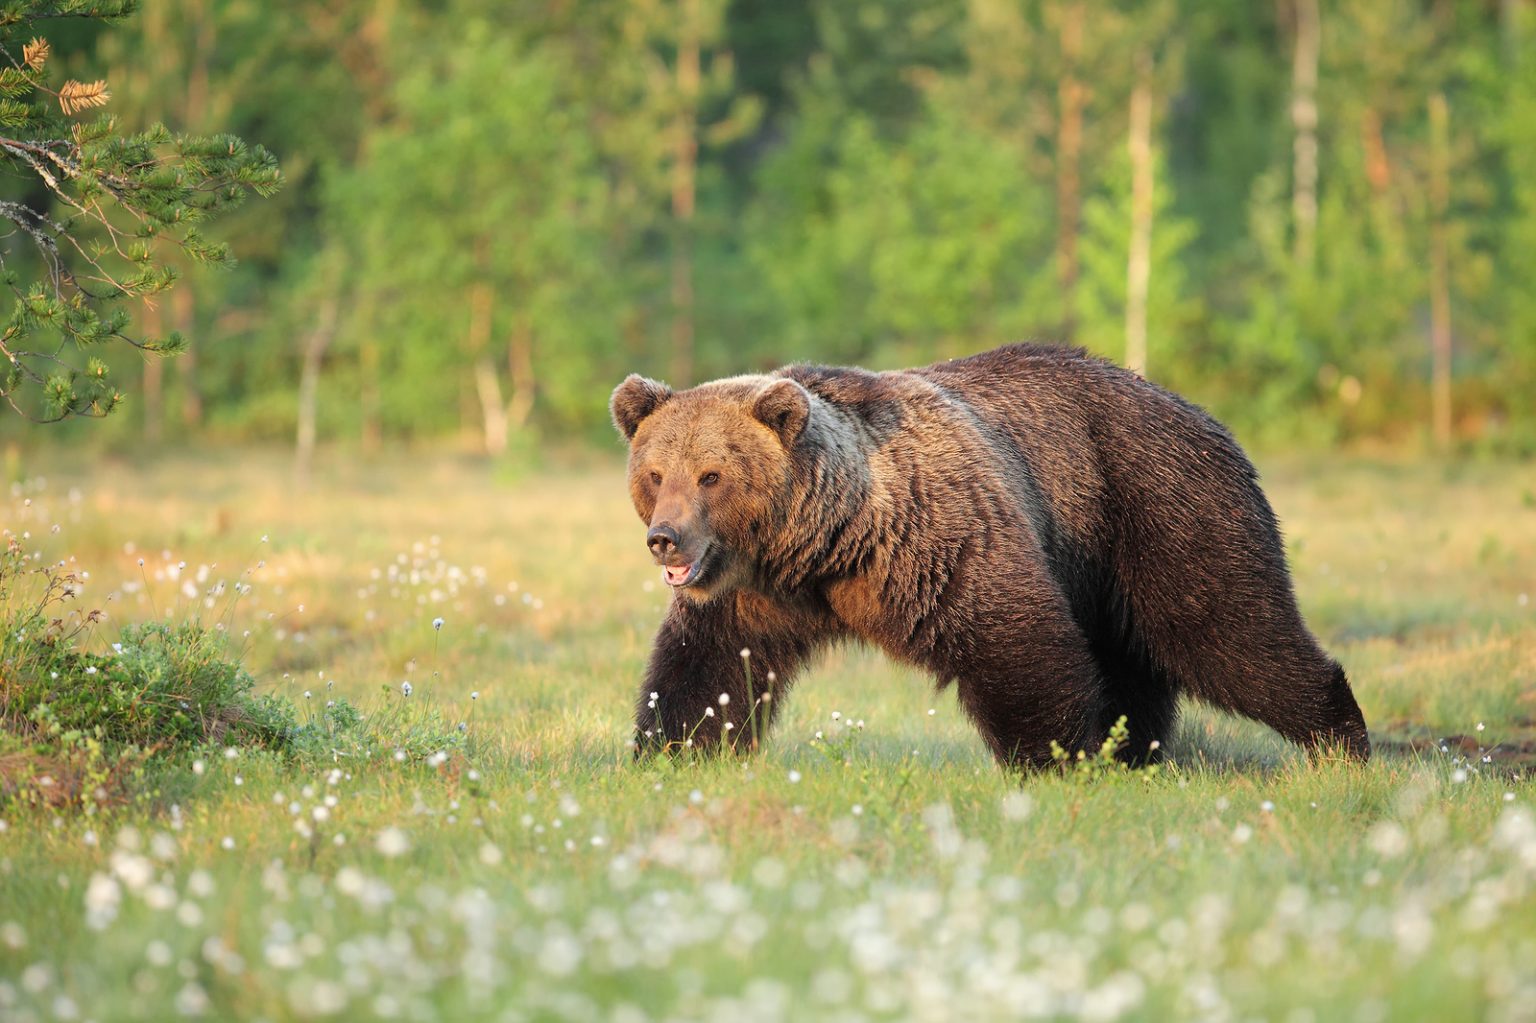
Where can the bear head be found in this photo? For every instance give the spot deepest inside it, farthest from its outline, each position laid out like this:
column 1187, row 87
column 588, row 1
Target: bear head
column 709, row 470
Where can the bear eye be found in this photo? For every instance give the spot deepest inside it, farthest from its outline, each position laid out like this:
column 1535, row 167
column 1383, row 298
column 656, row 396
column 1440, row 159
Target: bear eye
column 656, row 478
column 709, row 479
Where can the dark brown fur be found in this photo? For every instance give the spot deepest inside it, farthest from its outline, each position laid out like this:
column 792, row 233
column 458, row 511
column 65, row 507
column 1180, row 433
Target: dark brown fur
column 1065, row 541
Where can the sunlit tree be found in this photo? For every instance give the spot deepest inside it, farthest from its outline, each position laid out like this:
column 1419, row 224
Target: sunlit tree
column 93, row 210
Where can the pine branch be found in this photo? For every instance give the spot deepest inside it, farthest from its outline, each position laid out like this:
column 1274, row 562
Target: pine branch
column 113, row 199
column 35, row 54
column 77, row 96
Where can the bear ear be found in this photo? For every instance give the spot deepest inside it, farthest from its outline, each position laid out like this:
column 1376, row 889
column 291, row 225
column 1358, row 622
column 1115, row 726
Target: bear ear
column 633, row 400
column 784, row 408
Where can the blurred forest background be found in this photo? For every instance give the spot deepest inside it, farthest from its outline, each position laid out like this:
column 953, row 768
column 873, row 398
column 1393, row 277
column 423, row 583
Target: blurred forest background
column 1316, row 218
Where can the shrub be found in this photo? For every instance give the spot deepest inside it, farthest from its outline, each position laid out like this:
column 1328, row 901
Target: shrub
column 76, row 726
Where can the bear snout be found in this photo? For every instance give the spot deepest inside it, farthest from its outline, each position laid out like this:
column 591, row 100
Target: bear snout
column 662, row 540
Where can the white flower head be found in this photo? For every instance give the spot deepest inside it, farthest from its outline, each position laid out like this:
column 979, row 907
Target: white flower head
column 437, row 624
column 405, row 688
column 393, row 842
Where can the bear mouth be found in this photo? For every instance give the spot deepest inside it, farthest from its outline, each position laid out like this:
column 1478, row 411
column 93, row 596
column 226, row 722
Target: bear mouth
column 678, row 576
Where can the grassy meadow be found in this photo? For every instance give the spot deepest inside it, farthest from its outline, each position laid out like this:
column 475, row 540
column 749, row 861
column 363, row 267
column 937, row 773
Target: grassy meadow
column 870, row 863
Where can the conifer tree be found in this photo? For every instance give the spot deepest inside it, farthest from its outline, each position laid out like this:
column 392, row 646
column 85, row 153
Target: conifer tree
column 98, row 209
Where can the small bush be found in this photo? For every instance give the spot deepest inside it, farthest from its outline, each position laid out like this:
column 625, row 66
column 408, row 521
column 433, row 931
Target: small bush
column 164, row 686
column 76, row 726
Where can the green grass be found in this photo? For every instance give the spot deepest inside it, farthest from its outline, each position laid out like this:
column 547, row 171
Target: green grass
column 883, row 872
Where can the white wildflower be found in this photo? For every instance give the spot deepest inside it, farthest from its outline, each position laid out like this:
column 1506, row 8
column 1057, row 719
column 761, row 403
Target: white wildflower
column 393, row 842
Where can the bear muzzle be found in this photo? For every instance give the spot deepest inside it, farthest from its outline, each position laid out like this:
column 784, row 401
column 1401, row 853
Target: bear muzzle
column 678, row 568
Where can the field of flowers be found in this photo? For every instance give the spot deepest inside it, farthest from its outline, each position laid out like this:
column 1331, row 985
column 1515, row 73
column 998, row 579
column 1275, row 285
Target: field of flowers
column 490, row 850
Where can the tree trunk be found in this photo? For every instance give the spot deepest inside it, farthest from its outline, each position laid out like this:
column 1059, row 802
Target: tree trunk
column 493, row 411
column 1439, row 270
column 685, row 155
column 183, row 300
column 184, row 312
column 1378, row 165
column 198, row 94
column 1138, row 272
column 154, row 374
column 1070, row 96
column 520, row 367
column 372, row 410
column 493, row 415
column 315, row 344
column 1304, row 121
column 1510, row 25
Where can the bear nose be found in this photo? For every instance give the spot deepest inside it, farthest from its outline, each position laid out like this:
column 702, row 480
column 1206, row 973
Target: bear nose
column 662, row 540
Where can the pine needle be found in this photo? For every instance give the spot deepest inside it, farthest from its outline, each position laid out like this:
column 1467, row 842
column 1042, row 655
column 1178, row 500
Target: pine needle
column 76, row 96
column 35, row 54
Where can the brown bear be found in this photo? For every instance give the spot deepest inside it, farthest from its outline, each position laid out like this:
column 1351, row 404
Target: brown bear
column 1066, row 541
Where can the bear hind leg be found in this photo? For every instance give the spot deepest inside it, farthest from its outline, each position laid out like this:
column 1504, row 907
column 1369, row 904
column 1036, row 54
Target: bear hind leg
column 1286, row 683
column 1310, row 705
column 1227, row 632
column 1337, row 723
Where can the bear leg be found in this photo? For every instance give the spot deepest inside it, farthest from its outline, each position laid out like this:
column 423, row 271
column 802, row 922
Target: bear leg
column 1333, row 721
column 1310, row 704
column 701, row 692
column 1042, row 687
column 1021, row 717
column 1280, row 678
column 1148, row 701
column 1218, row 617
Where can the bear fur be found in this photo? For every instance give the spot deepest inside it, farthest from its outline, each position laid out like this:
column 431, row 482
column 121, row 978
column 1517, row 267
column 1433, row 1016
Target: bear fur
column 1064, row 540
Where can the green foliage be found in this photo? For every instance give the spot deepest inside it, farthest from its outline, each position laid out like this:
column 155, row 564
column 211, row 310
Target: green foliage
column 455, row 197
column 101, row 204
column 162, row 689
column 162, row 686
column 1517, row 299
column 394, row 729
column 487, row 201
column 900, row 251
column 1171, row 313
column 1106, row 761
